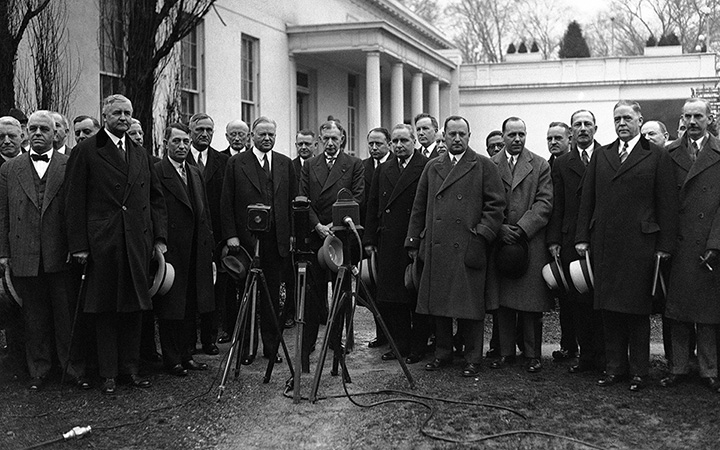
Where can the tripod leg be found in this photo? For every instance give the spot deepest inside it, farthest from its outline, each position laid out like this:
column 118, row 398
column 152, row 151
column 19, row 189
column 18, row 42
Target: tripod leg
column 247, row 321
column 300, row 314
column 237, row 341
column 330, row 325
column 340, row 351
column 373, row 308
column 279, row 330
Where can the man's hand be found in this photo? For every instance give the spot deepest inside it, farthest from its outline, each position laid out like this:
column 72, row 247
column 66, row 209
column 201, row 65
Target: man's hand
column 663, row 255
column 369, row 249
column 323, row 230
column 510, row 234
column 4, row 263
column 160, row 247
column 708, row 260
column 581, row 248
column 233, row 244
column 81, row 257
column 412, row 253
column 554, row 250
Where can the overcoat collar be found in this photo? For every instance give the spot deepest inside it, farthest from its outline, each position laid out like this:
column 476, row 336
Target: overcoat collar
column 110, row 153
column 641, row 151
column 709, row 155
column 575, row 160
column 171, row 180
column 450, row 174
column 410, row 174
column 341, row 165
column 523, row 167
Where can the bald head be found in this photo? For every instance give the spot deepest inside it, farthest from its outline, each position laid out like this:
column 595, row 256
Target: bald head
column 42, row 132
column 11, row 135
column 236, row 133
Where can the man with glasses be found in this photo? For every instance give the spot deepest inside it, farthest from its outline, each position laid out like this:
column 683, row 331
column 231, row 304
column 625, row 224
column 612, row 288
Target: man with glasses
column 494, row 142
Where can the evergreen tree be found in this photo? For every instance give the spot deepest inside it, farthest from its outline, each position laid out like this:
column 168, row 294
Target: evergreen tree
column 522, row 48
column 511, row 49
column 534, row 48
column 573, row 43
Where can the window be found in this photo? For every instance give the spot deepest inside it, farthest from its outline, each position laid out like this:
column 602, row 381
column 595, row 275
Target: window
column 190, row 75
column 112, row 47
column 248, row 78
column 303, row 100
column 352, row 114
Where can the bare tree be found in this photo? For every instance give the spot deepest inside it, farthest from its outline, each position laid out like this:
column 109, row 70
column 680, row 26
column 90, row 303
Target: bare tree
column 484, row 27
column 544, row 22
column 427, row 9
column 15, row 17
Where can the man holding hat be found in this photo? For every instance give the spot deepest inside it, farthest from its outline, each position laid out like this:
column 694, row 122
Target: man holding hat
column 190, row 245
column 627, row 218
column 457, row 213
column 520, row 295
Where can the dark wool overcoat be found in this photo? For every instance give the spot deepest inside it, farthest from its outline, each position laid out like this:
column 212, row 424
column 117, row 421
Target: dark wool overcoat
column 627, row 212
column 190, row 243
column 115, row 210
column 390, row 203
column 694, row 292
column 529, row 196
column 453, row 204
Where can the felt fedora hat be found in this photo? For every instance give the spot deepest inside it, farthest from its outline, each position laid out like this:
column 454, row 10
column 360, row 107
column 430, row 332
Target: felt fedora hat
column 412, row 275
column 330, row 255
column 512, row 259
column 8, row 296
column 236, row 263
column 368, row 271
column 554, row 276
column 582, row 275
column 162, row 275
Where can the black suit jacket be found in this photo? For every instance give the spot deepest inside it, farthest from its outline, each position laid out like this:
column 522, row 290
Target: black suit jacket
column 214, row 176
column 242, row 188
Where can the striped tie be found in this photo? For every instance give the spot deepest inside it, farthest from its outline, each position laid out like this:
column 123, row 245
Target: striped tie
column 624, row 153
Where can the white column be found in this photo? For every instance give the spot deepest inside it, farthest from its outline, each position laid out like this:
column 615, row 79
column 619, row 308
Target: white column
column 434, row 99
column 372, row 90
column 397, row 97
column 292, row 119
column 455, row 91
column 416, row 102
column 444, row 103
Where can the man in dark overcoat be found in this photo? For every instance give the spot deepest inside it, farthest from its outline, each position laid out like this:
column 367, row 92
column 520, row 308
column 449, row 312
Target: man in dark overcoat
column 116, row 219
column 390, row 203
column 528, row 195
column 627, row 218
column 694, row 277
column 306, row 145
column 457, row 213
column 567, row 173
column 33, row 244
column 212, row 165
column 190, row 246
column 261, row 175
column 322, row 178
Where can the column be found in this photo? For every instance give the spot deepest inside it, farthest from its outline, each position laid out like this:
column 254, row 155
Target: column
column 292, row 113
column 397, row 97
column 372, row 90
column 434, row 99
column 416, row 92
column 445, row 109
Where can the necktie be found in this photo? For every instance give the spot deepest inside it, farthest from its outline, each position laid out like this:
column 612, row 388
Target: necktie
column 623, row 153
column 585, row 158
column 36, row 157
column 183, row 174
column 121, row 150
column 512, row 164
column 266, row 166
column 694, row 151
column 200, row 163
column 330, row 163
column 401, row 163
column 453, row 160
column 426, row 153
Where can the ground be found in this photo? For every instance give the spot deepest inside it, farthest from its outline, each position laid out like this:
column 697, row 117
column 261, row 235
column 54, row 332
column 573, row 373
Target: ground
column 183, row 413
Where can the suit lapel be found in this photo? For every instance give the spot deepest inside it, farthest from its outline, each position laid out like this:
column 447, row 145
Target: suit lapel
column 339, row 168
column 639, row 152
column 412, row 172
column 247, row 164
column 523, row 167
column 708, row 156
column 53, row 180
column 26, row 179
column 611, row 155
column 466, row 163
column 320, row 169
column 504, row 168
column 135, row 157
column 195, row 181
column 278, row 168
column 213, row 163
column 575, row 162
column 110, row 153
column 172, row 182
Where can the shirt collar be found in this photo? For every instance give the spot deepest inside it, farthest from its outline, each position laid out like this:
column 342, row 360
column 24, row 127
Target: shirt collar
column 259, row 155
column 177, row 165
column 116, row 139
column 631, row 144
column 457, row 157
column 699, row 142
column 49, row 154
column 195, row 152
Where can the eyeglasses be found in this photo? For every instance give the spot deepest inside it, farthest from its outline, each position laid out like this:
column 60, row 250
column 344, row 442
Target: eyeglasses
column 236, row 134
column 498, row 146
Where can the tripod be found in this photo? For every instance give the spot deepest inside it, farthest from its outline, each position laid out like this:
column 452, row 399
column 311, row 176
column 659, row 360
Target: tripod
column 248, row 304
column 341, row 313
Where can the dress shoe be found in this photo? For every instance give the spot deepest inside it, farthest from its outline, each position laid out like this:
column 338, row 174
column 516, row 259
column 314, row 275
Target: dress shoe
column 289, row 323
column 389, row 356
column 210, row 349
column 672, row 379
column 194, row 365
column 82, row 383
column 503, row 361
column 413, row 358
column 562, row 354
column 138, row 381
column 108, row 386
column 713, row 383
column 609, row 380
column 35, row 384
column 470, row 370
column 534, row 365
column 247, row 360
column 377, row 342
column 492, row 353
column 437, row 364
column 224, row 338
column 178, row 370
column 636, row 383
column 581, row 366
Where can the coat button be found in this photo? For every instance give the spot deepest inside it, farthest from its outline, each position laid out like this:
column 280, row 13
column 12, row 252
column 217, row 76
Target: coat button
column 439, row 196
column 459, row 196
column 117, row 186
column 457, row 220
column 701, row 215
column 124, row 208
column 704, row 189
column 680, row 238
column 456, row 245
column 697, row 242
column 387, row 211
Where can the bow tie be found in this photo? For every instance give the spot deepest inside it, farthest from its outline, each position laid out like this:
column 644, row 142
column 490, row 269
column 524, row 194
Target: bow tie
column 36, row 157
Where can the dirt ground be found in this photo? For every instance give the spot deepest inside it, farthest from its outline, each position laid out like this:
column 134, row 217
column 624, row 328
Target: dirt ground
column 183, row 413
